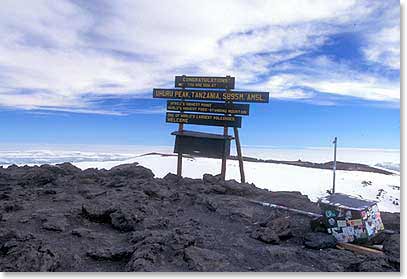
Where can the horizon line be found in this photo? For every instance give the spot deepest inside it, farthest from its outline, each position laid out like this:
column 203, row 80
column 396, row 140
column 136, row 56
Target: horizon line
column 15, row 145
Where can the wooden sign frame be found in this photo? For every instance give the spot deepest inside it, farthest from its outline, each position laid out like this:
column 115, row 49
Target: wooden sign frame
column 226, row 112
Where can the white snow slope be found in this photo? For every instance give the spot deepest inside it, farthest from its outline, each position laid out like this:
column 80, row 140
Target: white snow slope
column 276, row 177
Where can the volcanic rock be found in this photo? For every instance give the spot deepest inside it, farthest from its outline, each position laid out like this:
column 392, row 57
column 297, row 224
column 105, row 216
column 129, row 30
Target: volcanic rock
column 60, row 218
column 318, row 240
column 201, row 259
column 391, row 246
column 266, row 235
column 32, row 257
column 81, row 232
column 110, row 254
column 126, row 220
column 55, row 223
column 132, row 170
column 98, row 212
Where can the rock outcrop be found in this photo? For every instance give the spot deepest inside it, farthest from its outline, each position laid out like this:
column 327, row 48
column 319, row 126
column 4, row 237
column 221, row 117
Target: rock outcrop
column 60, row 218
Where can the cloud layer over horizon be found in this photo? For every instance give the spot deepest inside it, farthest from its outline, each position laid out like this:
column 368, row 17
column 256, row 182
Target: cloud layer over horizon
column 67, row 55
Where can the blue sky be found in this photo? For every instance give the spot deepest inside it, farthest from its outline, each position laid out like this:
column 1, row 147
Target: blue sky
column 83, row 72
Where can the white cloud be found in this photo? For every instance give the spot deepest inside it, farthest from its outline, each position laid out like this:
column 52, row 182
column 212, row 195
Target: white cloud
column 384, row 47
column 57, row 52
column 365, row 88
column 383, row 39
column 329, row 77
column 284, row 87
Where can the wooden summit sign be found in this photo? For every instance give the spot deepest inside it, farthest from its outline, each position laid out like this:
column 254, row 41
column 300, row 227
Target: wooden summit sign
column 208, row 107
column 222, row 113
column 204, row 119
column 205, row 82
column 212, row 95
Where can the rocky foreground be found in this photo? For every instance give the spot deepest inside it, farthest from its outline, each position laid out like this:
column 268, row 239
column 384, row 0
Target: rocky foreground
column 59, row 218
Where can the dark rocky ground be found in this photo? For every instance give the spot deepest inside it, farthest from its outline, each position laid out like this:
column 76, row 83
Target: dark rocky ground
column 59, row 218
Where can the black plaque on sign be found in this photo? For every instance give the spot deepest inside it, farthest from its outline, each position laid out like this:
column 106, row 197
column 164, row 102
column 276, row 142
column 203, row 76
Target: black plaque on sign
column 208, row 107
column 205, row 82
column 202, row 144
column 212, row 95
column 204, row 119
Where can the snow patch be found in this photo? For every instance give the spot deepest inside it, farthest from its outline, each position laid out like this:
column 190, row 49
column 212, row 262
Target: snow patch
column 278, row 177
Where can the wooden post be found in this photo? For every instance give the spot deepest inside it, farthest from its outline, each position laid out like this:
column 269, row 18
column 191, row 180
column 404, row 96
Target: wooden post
column 239, row 155
column 224, row 157
column 223, row 170
column 179, row 161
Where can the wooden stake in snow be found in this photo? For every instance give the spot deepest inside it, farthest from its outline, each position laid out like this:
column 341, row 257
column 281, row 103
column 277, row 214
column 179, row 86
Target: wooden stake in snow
column 334, row 165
